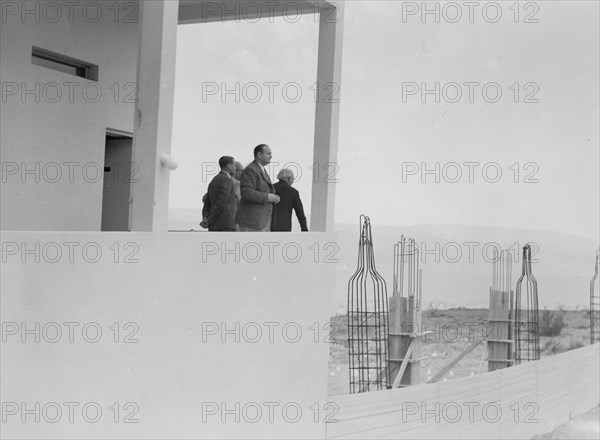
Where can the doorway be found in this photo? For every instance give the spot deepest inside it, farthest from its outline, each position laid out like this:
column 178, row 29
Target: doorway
column 119, row 174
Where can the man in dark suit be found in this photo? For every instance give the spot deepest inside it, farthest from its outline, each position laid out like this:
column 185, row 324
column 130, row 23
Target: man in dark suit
column 239, row 168
column 221, row 198
column 255, row 210
column 290, row 199
column 205, row 211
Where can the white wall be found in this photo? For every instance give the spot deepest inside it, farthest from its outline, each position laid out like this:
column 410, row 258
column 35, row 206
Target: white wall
column 169, row 293
column 44, row 132
column 518, row 402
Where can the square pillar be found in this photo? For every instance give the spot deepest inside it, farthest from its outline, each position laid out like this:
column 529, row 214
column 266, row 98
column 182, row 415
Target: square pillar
column 329, row 73
column 154, row 114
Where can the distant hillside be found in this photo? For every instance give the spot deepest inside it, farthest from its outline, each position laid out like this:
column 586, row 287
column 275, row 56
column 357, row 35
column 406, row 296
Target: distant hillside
column 563, row 271
column 455, row 271
column 181, row 219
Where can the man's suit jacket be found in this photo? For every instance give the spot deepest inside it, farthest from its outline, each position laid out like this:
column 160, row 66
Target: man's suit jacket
column 290, row 199
column 206, row 200
column 223, row 203
column 254, row 209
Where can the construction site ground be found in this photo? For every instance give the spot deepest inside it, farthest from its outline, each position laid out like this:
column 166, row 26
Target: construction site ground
column 445, row 344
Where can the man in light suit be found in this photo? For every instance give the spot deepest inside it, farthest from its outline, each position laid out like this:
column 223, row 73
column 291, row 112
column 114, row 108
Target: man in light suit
column 255, row 210
column 222, row 201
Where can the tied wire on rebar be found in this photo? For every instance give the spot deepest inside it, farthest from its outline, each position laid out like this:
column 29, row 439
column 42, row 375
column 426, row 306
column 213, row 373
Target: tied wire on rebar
column 526, row 328
column 367, row 320
column 595, row 304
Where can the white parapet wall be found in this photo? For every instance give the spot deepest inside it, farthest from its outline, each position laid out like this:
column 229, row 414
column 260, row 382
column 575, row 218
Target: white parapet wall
column 517, row 402
column 186, row 335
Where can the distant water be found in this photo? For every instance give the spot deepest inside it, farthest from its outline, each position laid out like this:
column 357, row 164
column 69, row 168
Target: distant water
column 456, row 272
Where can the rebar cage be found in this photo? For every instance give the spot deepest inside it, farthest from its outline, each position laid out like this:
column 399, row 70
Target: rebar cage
column 502, row 271
column 527, row 322
column 406, row 272
column 595, row 304
column 500, row 347
column 404, row 314
column 367, row 320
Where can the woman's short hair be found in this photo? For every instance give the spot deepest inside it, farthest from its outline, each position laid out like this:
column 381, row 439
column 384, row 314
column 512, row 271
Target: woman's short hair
column 239, row 169
column 285, row 174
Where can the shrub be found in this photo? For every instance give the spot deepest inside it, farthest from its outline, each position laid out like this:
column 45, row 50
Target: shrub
column 433, row 309
column 573, row 344
column 552, row 346
column 551, row 323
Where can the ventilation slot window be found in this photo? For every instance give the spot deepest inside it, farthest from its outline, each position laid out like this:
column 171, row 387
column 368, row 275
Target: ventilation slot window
column 65, row 64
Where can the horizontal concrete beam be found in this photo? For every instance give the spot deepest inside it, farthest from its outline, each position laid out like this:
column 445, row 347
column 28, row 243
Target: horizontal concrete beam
column 200, row 11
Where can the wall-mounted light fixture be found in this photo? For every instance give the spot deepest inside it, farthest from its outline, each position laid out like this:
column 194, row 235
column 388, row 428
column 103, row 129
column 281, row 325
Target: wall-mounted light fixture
column 168, row 162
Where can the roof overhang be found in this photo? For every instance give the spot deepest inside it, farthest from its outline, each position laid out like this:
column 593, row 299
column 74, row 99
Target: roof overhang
column 201, row 11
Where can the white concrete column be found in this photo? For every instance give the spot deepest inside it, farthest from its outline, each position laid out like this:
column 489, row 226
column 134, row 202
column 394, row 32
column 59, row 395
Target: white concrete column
column 329, row 70
column 154, row 114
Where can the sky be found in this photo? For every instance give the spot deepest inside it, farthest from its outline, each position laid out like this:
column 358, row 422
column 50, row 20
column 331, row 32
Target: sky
column 545, row 145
